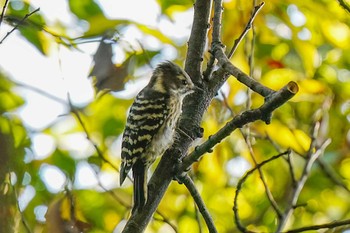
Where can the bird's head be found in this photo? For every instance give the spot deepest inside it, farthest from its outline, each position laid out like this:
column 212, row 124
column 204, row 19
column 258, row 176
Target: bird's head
column 170, row 78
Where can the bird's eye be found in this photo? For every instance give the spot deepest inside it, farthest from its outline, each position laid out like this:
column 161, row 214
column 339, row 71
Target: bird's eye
column 184, row 82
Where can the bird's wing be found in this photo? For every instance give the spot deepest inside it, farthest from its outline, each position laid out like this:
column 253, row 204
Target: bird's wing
column 146, row 117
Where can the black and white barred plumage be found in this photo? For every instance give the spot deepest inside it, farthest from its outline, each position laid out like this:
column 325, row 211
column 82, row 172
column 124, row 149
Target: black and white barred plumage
column 151, row 123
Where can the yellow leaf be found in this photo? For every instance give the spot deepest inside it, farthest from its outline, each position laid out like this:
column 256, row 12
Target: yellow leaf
column 311, row 86
column 110, row 218
column 287, row 138
column 311, row 90
column 302, row 138
column 345, row 168
column 277, row 78
column 279, row 51
column 337, row 33
column 188, row 224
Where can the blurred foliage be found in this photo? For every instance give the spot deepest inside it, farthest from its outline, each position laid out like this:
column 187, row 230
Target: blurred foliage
column 303, row 41
column 13, row 142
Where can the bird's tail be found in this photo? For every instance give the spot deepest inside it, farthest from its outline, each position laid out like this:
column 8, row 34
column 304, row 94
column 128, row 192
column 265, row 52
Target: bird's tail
column 140, row 185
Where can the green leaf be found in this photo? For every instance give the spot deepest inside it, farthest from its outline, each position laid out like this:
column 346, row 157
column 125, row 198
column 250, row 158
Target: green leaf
column 8, row 99
column 99, row 24
column 168, row 7
column 37, row 38
column 85, row 9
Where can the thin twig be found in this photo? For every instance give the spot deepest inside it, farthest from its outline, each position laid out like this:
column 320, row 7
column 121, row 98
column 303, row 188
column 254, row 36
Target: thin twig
column 345, row 5
column 198, row 218
column 199, row 202
column 263, row 180
column 312, row 155
column 288, row 159
column 246, row 29
column 3, row 11
column 331, row 174
column 113, row 194
column 165, row 220
column 241, row 182
column 41, row 92
column 216, row 36
column 330, row 225
column 291, row 170
column 23, row 219
column 19, row 23
column 88, row 137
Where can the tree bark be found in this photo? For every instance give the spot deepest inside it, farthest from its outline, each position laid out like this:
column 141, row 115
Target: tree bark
column 7, row 195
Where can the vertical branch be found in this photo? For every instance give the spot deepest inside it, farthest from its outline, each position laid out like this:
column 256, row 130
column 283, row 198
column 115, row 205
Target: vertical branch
column 217, row 22
column 198, row 39
column 245, row 31
column 216, row 36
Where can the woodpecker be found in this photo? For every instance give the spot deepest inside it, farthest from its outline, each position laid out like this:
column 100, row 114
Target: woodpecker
column 151, row 123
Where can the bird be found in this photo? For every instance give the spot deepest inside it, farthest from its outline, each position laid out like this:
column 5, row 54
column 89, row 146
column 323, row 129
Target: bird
column 150, row 125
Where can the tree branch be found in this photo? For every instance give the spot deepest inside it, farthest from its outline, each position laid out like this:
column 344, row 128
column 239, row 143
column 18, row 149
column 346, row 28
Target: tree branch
column 331, row 174
column 19, row 23
column 216, row 38
column 217, row 22
column 228, row 67
column 199, row 202
column 273, row 102
column 198, row 39
column 321, row 226
column 345, row 5
column 41, row 92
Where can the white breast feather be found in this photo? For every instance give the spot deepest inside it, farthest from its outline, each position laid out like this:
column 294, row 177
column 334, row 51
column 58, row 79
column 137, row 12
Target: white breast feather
column 165, row 136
